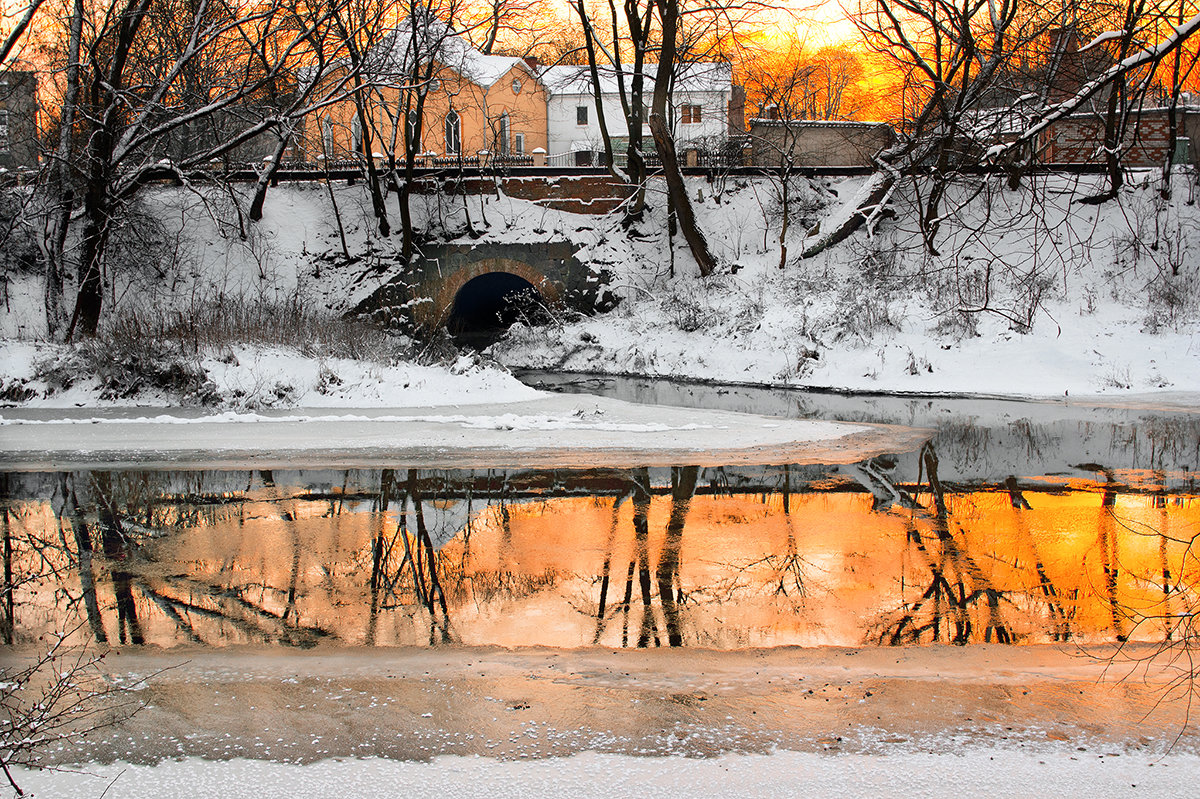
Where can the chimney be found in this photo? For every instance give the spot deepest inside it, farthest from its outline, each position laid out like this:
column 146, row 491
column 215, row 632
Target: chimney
column 737, row 110
column 1063, row 39
column 531, row 61
column 771, row 111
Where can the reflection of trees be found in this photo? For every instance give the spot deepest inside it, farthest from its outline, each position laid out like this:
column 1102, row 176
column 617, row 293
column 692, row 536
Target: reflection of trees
column 8, row 623
column 105, row 525
column 116, row 550
column 391, row 556
column 666, row 576
column 955, row 584
column 415, row 578
column 1167, row 608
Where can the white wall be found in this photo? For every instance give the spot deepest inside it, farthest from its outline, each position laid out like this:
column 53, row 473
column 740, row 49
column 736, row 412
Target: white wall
column 564, row 132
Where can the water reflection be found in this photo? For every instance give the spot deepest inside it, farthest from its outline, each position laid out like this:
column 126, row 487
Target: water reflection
column 979, row 440
column 688, row 556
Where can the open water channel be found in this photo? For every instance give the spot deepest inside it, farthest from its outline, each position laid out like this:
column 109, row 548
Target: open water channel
column 1018, row 522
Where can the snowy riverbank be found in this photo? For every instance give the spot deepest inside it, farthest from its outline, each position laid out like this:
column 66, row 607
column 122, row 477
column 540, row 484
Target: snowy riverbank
column 553, row 430
column 913, row 721
column 1028, row 294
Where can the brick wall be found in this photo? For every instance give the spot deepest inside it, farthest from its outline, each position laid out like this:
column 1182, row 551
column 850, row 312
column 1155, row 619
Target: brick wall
column 581, row 194
column 1080, row 139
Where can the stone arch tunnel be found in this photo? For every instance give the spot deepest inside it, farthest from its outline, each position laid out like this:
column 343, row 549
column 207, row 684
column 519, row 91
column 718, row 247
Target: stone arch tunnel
column 477, row 290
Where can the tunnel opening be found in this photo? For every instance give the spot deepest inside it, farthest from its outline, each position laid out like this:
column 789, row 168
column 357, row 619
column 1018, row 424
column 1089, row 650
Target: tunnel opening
column 487, row 305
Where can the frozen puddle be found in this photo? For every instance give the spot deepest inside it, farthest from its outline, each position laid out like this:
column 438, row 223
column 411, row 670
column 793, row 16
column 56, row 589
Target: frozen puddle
column 982, row 772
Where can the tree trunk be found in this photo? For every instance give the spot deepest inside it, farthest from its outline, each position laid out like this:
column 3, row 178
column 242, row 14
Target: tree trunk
column 268, row 176
column 55, row 265
column 663, row 141
column 109, row 88
column 589, row 39
column 677, row 191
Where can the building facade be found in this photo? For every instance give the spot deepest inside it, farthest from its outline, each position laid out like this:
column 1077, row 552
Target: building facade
column 18, row 120
column 702, row 100
column 1079, row 139
column 472, row 105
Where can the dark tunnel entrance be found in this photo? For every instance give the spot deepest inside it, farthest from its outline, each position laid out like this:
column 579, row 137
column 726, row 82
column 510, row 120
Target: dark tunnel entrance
column 486, row 306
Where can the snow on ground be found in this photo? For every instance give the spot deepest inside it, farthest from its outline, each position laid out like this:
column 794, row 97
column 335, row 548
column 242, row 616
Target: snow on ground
column 1055, row 771
column 257, row 377
column 1029, row 294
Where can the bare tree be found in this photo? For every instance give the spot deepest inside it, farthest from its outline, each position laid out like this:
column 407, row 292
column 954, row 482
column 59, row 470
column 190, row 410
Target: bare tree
column 145, row 105
column 664, row 140
column 514, row 26
column 1182, row 67
column 59, row 695
column 956, row 53
column 20, row 24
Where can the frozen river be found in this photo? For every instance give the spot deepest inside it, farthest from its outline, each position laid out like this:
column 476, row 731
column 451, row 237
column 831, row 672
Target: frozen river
column 401, row 608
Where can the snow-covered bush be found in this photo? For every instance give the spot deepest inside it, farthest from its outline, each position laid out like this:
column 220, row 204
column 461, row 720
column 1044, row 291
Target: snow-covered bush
column 127, row 367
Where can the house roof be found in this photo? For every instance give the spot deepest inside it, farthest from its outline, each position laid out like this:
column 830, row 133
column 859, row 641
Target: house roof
column 435, row 40
column 706, row 76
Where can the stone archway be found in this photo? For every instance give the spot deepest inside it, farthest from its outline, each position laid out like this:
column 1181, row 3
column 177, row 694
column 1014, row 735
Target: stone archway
column 445, row 289
column 488, row 305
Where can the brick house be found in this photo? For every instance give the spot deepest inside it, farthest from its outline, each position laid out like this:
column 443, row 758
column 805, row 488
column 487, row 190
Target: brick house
column 1079, row 139
column 473, row 103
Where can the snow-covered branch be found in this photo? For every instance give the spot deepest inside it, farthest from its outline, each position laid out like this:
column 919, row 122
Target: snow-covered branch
column 1058, row 111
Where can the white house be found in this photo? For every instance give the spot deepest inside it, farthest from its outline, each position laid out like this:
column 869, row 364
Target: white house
column 700, row 113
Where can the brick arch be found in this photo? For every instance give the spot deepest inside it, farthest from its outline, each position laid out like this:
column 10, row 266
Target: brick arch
column 446, row 289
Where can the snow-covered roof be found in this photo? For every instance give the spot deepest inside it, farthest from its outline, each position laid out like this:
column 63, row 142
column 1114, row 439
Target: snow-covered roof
column 485, row 70
column 435, row 40
column 706, row 76
column 814, row 123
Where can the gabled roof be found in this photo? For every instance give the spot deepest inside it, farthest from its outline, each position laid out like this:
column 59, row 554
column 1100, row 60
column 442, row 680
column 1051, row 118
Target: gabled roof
column 435, row 40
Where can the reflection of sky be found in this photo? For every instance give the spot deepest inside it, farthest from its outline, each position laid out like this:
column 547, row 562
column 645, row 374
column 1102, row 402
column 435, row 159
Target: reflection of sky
column 829, row 571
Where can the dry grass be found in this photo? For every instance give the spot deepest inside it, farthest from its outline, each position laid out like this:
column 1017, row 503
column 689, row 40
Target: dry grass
column 228, row 321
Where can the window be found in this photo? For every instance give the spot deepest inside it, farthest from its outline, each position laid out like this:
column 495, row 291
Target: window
column 327, row 135
column 689, row 114
column 519, row 143
column 581, row 115
column 3, row 131
column 505, row 131
column 516, row 86
column 453, row 133
column 413, row 139
column 356, row 135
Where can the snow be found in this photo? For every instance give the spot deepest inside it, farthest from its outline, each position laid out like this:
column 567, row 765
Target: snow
column 250, row 377
column 1107, row 36
column 1055, row 298
column 552, row 430
column 975, row 772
